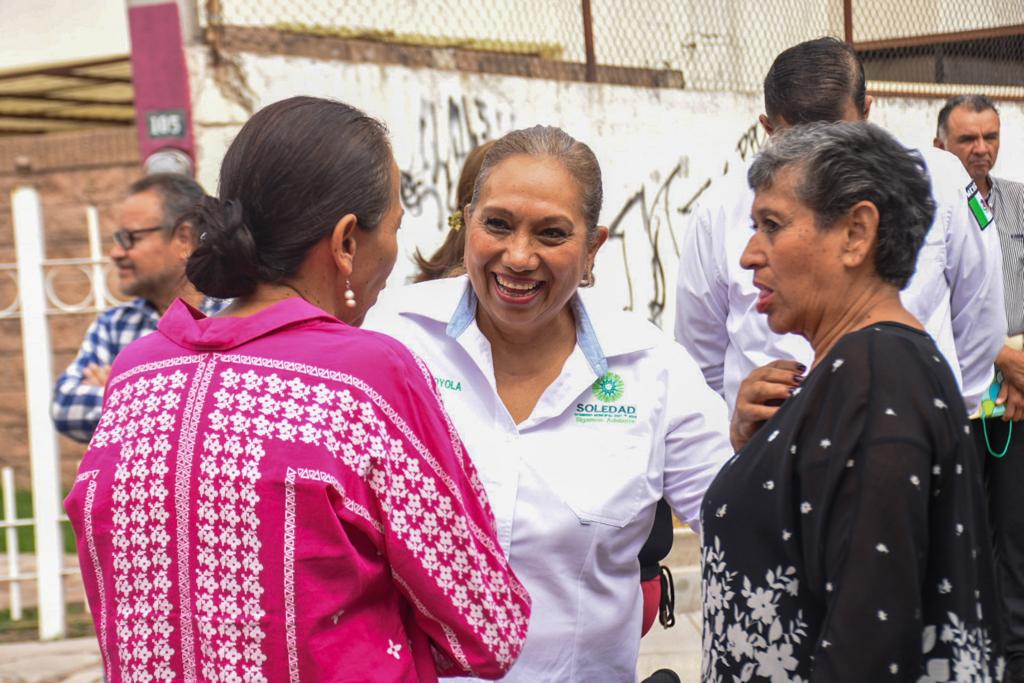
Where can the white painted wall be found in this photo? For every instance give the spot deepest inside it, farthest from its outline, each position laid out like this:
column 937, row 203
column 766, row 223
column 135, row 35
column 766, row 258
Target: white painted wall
column 640, row 136
column 880, row 19
column 43, row 32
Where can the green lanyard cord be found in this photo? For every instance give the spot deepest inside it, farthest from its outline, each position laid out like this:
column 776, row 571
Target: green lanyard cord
column 1009, row 435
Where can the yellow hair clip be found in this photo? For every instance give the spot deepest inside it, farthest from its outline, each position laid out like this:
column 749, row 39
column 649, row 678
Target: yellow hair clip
column 455, row 221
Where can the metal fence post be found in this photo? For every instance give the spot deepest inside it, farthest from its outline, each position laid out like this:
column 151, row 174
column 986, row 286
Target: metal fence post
column 588, row 41
column 98, row 277
column 848, row 21
column 11, row 533
column 42, row 439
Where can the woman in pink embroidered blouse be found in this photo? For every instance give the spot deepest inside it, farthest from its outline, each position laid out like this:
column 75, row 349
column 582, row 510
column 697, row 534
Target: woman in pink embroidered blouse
column 275, row 495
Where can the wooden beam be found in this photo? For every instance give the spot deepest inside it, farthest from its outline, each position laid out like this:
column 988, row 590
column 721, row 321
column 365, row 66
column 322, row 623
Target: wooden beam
column 941, row 95
column 1016, row 30
column 64, row 118
column 62, row 99
column 92, row 80
column 588, row 41
column 848, row 21
column 59, row 70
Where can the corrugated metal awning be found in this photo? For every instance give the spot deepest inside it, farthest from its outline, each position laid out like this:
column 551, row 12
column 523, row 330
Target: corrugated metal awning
column 70, row 96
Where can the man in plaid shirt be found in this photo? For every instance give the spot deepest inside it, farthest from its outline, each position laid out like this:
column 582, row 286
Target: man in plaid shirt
column 150, row 250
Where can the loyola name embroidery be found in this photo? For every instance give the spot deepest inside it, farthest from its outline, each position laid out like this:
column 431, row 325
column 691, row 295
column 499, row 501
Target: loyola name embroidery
column 449, row 384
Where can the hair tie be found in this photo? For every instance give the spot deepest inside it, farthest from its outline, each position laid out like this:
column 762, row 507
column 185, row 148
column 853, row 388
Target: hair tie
column 455, row 221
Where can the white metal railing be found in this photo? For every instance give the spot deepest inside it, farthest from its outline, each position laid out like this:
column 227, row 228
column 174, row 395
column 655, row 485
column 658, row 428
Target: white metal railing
column 96, row 267
column 35, row 299
column 11, row 310
column 10, row 524
column 42, row 438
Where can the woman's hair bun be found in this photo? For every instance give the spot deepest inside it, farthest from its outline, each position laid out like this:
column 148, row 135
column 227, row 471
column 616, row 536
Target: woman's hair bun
column 225, row 263
column 294, row 169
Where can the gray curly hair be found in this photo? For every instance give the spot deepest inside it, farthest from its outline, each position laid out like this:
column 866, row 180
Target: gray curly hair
column 845, row 163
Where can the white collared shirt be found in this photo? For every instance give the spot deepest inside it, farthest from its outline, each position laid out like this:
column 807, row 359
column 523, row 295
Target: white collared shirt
column 956, row 292
column 575, row 485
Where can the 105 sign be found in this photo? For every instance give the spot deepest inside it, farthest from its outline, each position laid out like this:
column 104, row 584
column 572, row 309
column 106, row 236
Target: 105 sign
column 169, row 123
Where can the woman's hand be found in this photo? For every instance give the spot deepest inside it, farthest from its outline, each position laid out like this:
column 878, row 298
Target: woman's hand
column 760, row 396
column 1011, row 395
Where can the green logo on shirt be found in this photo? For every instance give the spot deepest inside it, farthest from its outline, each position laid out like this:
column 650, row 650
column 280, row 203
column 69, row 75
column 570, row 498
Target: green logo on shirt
column 449, row 384
column 979, row 207
column 609, row 387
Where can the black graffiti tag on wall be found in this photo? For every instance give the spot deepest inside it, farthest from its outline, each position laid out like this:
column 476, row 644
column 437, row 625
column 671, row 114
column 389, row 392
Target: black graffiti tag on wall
column 660, row 214
column 447, row 132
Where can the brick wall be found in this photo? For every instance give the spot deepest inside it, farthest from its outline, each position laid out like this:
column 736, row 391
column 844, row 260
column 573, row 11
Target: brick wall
column 71, row 171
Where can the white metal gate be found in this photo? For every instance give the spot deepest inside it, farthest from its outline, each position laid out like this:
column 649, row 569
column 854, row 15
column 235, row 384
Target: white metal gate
column 36, row 300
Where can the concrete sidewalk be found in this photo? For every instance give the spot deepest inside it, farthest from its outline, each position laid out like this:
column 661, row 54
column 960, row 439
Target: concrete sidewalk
column 78, row 660
column 677, row 648
column 74, row 591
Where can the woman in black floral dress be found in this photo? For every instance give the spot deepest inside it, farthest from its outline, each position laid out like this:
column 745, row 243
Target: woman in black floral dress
column 846, row 541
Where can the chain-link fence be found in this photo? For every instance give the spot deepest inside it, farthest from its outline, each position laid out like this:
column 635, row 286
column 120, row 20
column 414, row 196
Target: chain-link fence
column 714, row 46
column 941, row 47
column 909, row 46
column 554, row 31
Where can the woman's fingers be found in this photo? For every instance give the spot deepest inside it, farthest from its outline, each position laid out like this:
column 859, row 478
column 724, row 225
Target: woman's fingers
column 760, row 396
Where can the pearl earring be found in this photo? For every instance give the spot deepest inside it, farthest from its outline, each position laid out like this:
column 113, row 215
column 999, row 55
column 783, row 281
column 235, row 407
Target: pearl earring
column 350, row 296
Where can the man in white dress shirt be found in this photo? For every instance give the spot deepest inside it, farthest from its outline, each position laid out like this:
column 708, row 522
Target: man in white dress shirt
column 955, row 292
column 968, row 127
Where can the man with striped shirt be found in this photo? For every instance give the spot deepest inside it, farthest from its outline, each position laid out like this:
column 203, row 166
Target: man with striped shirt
column 969, row 128
column 150, row 250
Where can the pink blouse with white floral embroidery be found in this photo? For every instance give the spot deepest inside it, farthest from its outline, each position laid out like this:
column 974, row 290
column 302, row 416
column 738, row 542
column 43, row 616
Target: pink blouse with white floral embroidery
column 281, row 498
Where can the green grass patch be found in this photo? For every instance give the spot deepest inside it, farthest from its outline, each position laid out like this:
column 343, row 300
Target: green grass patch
column 78, row 624
column 26, row 534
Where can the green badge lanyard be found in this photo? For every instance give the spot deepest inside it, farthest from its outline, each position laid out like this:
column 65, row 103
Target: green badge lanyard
column 983, row 214
column 1009, row 435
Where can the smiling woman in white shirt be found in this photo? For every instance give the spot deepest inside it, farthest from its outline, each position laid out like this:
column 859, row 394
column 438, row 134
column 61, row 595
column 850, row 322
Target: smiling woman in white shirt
column 578, row 416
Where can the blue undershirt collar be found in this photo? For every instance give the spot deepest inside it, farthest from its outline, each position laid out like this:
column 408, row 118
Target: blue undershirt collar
column 586, row 338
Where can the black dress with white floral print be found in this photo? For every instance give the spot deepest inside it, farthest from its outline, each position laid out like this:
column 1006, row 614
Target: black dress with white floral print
column 847, row 541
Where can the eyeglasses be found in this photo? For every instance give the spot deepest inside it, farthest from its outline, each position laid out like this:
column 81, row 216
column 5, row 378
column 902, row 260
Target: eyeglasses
column 126, row 238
